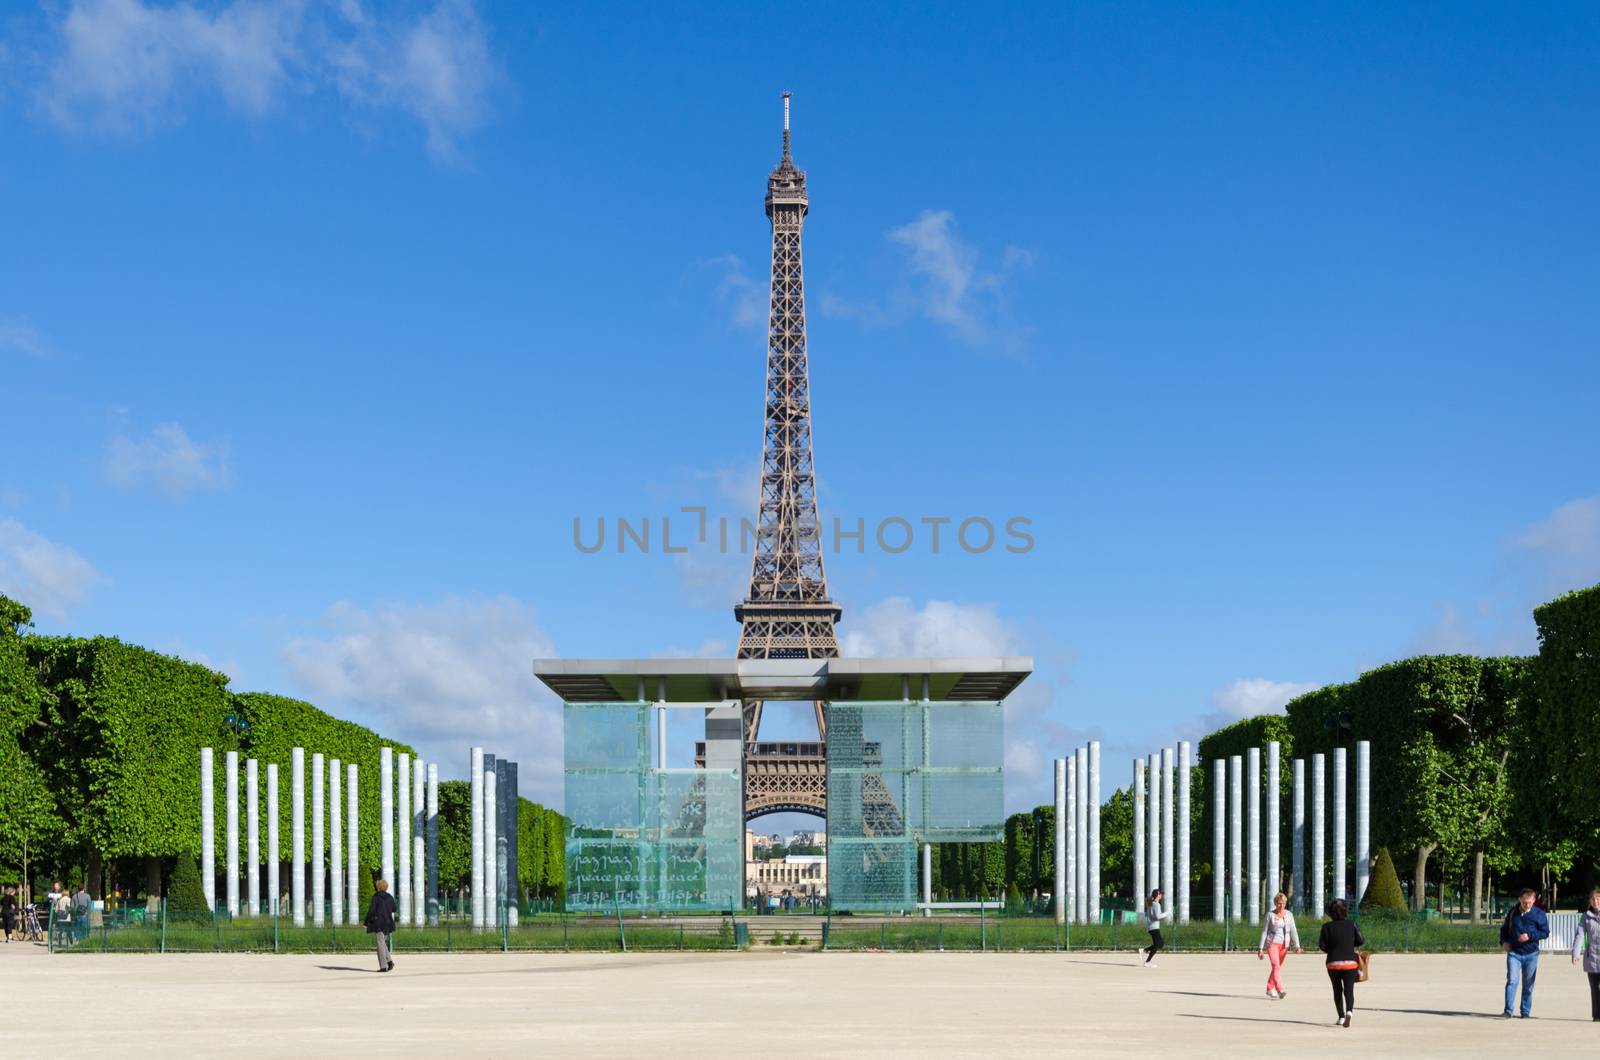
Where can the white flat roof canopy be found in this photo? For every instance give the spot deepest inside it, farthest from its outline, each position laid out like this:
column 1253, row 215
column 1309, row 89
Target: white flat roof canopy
column 713, row 680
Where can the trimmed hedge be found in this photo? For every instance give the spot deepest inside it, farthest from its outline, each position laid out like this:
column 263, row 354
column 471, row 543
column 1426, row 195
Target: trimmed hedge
column 1564, row 773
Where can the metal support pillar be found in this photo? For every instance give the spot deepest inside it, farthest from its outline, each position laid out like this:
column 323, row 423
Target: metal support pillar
column 386, row 816
column 252, row 834
column 297, row 834
column 208, row 830
column 1152, row 807
column 491, row 845
column 274, row 848
column 432, row 829
column 1139, row 872
column 1236, row 836
column 1184, row 783
column 1297, row 840
column 1219, row 837
column 1094, row 831
column 1364, row 818
column 319, row 876
column 1072, row 838
column 401, row 886
column 230, row 776
column 1319, row 834
column 1253, row 838
column 1167, row 837
column 1080, row 882
column 335, row 845
column 476, row 798
column 1274, row 824
column 1341, row 825
column 927, row 878
column 353, row 842
column 419, row 843
column 1058, row 893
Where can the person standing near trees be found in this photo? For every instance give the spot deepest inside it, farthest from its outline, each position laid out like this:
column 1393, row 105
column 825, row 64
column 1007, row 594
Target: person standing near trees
column 1278, row 933
column 1153, row 916
column 1524, row 927
column 1586, row 944
column 1342, row 940
column 8, row 911
column 380, row 923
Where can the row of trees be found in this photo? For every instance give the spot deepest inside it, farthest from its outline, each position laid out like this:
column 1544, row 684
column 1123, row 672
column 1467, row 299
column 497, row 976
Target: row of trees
column 99, row 765
column 1478, row 765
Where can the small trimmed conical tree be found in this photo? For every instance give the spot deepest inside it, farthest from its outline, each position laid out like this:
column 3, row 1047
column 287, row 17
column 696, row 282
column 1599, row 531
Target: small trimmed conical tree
column 1014, row 899
column 1383, row 890
column 186, row 899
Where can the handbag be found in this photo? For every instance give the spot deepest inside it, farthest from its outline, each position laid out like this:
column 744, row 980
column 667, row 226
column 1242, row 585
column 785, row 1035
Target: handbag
column 1364, row 957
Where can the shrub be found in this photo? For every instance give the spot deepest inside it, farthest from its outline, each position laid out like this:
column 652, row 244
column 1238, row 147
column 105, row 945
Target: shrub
column 1383, row 890
column 186, row 898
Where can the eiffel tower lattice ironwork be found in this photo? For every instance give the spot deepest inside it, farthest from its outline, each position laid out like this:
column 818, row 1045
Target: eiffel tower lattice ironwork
column 787, row 613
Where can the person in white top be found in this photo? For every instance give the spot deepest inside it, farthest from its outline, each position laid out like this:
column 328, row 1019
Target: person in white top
column 1278, row 933
column 1153, row 916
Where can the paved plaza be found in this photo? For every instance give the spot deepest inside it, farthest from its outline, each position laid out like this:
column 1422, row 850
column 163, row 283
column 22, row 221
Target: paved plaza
column 737, row 1004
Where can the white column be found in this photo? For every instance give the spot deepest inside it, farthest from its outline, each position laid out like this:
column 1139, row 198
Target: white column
column 230, row 775
column 274, row 850
column 1167, row 851
column 402, row 886
column 252, row 833
column 1341, row 825
column 386, row 816
column 353, row 867
column 208, row 830
column 1059, row 891
column 491, row 850
column 1298, row 839
column 661, row 737
column 1072, row 838
column 319, row 849
column 1235, row 836
column 419, row 843
column 476, row 798
column 1252, row 902
column 927, row 877
column 1219, row 836
column 1094, row 831
column 1080, row 882
column 1152, row 841
column 297, row 833
column 1363, row 818
column 335, row 846
column 1185, row 766
column 1319, row 833
column 1274, row 824
column 433, row 844
column 1140, row 877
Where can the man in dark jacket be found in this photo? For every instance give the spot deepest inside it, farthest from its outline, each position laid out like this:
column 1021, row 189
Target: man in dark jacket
column 380, row 923
column 1525, row 925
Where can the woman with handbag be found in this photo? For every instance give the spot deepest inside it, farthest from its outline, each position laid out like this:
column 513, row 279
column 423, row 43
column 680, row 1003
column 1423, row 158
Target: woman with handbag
column 1586, row 945
column 1278, row 933
column 1342, row 940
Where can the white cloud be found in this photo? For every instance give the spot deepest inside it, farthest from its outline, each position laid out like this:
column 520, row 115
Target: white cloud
column 50, row 578
column 442, row 677
column 168, row 460
column 20, row 336
column 946, row 283
column 128, row 65
column 737, row 292
column 1565, row 546
column 894, row 627
column 1245, row 697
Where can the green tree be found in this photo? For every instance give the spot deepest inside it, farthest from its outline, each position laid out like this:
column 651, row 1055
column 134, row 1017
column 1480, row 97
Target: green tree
column 186, row 897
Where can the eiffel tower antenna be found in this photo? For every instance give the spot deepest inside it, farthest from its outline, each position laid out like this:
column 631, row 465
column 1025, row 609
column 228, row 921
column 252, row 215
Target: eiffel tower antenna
column 787, row 613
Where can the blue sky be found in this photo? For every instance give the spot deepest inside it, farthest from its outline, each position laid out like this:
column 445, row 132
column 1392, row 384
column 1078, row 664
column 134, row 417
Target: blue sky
column 320, row 323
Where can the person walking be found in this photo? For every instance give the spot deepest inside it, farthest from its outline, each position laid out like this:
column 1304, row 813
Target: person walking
column 1278, row 933
column 1586, row 943
column 1341, row 940
column 1525, row 925
column 1153, row 916
column 380, row 923
column 8, row 911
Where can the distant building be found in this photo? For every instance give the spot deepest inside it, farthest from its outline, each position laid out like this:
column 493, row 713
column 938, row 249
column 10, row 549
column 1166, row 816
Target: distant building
column 802, row 875
column 809, row 839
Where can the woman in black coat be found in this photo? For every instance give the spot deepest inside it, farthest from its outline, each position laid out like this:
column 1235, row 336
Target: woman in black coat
column 380, row 923
column 1342, row 940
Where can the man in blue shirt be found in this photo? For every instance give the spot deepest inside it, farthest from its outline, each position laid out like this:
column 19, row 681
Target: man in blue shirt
column 1524, row 926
